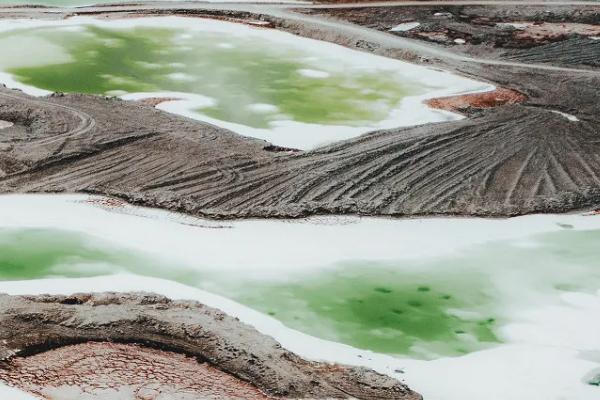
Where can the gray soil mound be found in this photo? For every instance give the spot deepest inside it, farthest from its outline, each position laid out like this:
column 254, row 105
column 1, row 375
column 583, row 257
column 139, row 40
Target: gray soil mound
column 480, row 26
column 575, row 51
column 509, row 160
column 33, row 326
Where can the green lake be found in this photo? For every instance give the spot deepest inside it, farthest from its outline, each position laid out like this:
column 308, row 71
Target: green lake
column 441, row 306
column 247, row 80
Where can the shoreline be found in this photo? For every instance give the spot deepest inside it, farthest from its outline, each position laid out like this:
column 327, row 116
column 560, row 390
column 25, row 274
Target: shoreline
column 411, row 166
column 245, row 258
column 208, row 334
column 412, row 110
column 119, row 219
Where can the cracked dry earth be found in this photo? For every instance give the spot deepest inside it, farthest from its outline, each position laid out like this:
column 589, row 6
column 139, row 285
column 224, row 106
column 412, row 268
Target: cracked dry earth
column 122, row 371
column 49, row 346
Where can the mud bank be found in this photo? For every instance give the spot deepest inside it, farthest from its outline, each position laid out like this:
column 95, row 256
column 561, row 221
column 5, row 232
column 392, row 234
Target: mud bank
column 113, row 371
column 507, row 160
column 32, row 325
column 464, row 102
column 550, row 33
column 503, row 161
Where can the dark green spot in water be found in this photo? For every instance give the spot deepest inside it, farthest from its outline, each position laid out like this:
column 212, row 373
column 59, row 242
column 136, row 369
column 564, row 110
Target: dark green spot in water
column 391, row 318
column 593, row 378
column 414, row 303
column 565, row 226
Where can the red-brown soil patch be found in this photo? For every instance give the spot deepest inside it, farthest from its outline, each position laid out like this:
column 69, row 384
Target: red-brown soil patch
column 107, row 202
column 154, row 101
column 552, row 31
column 491, row 99
column 119, row 371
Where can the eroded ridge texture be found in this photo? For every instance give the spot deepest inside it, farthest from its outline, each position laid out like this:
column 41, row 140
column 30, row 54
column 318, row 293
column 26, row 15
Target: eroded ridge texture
column 115, row 371
column 49, row 346
column 509, row 160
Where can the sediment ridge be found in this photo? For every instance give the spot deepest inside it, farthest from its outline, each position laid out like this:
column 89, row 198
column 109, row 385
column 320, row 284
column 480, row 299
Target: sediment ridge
column 534, row 152
column 102, row 330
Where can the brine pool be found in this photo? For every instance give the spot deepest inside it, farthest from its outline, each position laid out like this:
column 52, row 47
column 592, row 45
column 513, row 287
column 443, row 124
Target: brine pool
column 259, row 82
column 457, row 308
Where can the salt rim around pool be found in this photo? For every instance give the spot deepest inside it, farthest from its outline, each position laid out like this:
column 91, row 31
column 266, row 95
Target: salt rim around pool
column 548, row 349
column 289, row 133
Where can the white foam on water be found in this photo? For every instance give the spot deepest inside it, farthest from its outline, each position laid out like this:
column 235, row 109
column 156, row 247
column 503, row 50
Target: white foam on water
column 313, row 73
column 261, row 108
column 328, row 58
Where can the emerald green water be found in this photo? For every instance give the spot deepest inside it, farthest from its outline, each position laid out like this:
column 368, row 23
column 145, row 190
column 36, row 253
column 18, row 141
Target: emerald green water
column 439, row 307
column 384, row 310
column 236, row 71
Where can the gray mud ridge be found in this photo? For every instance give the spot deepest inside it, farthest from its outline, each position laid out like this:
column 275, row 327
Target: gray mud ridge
column 505, row 161
column 574, row 51
column 477, row 26
column 34, row 324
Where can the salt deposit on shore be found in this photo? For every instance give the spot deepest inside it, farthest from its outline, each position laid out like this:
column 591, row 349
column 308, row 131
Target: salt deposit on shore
column 548, row 339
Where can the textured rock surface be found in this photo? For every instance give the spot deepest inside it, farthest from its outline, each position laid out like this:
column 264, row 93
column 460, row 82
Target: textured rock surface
column 34, row 325
column 508, row 160
column 112, row 371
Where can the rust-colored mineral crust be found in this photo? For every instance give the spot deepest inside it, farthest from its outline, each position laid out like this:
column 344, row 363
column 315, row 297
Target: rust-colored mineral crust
column 116, row 371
